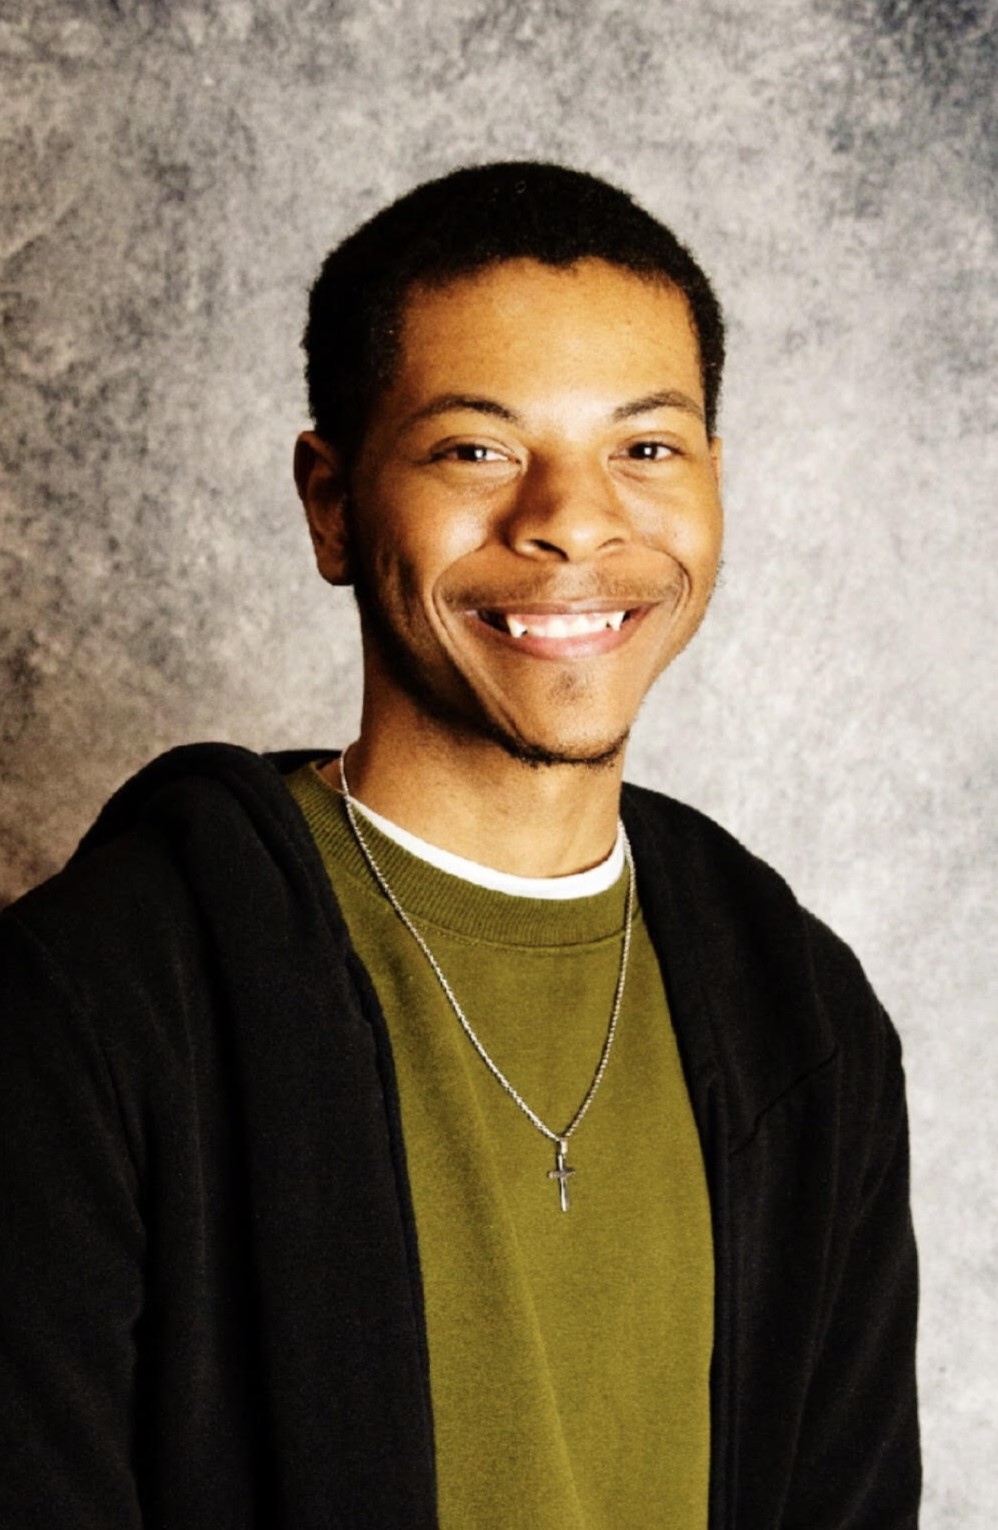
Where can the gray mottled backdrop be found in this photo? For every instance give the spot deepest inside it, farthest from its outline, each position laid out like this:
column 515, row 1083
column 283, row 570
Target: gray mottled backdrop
column 172, row 174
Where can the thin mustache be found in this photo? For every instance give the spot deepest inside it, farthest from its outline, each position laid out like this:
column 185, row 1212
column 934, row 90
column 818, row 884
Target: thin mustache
column 528, row 597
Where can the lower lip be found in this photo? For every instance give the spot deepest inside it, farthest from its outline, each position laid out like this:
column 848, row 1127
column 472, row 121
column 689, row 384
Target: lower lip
column 580, row 645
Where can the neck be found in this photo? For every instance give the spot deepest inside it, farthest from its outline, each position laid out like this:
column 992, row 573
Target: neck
column 470, row 797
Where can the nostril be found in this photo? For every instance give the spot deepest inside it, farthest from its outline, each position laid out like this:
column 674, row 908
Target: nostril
column 543, row 546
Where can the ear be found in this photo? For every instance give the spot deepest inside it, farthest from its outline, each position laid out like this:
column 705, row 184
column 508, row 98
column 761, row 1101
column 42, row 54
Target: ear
column 716, row 450
column 321, row 483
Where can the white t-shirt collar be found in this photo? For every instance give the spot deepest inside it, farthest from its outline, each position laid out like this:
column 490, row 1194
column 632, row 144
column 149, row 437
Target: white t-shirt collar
column 578, row 884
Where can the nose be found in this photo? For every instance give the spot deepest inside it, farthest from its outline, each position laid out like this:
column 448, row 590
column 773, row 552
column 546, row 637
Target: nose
column 566, row 513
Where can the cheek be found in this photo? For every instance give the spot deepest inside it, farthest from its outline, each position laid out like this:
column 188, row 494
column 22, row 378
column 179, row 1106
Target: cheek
column 695, row 533
column 416, row 554
column 429, row 543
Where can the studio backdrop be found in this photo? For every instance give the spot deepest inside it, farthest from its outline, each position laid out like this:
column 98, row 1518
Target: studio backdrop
column 172, row 175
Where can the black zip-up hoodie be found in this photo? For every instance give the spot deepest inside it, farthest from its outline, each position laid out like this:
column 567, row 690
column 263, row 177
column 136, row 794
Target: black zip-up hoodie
column 211, row 1312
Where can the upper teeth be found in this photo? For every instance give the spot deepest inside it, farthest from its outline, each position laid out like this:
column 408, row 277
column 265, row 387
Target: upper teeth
column 564, row 625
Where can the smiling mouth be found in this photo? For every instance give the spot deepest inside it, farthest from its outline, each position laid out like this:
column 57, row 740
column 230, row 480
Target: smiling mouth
column 556, row 624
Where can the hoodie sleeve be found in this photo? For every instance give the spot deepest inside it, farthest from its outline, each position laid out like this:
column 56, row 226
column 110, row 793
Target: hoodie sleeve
column 71, row 1252
column 858, row 1461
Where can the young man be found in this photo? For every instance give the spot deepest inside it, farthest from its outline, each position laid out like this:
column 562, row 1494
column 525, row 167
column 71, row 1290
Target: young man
column 438, row 1133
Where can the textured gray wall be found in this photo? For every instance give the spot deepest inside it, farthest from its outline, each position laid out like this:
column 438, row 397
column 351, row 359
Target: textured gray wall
column 172, row 175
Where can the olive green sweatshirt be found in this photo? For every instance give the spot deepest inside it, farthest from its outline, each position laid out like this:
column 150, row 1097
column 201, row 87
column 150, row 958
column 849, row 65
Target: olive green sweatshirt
column 569, row 1350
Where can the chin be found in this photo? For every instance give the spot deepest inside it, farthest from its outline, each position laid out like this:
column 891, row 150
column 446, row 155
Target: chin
column 597, row 755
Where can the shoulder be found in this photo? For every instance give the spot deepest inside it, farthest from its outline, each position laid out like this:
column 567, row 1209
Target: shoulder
column 781, row 993
column 740, row 895
column 206, row 836
column 704, row 853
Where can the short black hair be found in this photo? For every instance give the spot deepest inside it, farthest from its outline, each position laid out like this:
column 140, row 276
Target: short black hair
column 462, row 223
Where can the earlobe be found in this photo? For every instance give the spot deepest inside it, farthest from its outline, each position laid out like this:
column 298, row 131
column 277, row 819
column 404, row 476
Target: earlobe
column 321, row 487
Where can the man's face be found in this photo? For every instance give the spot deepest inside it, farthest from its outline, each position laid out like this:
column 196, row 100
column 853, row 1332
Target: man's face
column 534, row 524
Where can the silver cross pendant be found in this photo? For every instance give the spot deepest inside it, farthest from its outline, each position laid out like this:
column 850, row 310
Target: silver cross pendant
column 561, row 1172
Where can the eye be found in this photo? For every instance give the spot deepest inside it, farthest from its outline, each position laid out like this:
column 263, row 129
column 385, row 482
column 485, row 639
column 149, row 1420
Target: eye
column 469, row 451
column 649, row 451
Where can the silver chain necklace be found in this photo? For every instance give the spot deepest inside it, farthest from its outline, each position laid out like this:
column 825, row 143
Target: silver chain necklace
column 562, row 1172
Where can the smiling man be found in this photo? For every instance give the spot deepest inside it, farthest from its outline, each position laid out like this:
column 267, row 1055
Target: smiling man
column 437, row 1132
column 533, row 528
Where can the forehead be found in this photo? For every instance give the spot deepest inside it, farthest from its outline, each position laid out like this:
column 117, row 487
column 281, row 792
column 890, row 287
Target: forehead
column 527, row 328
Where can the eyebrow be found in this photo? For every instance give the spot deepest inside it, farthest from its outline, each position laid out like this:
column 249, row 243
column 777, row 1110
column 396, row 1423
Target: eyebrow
column 446, row 403
column 669, row 398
